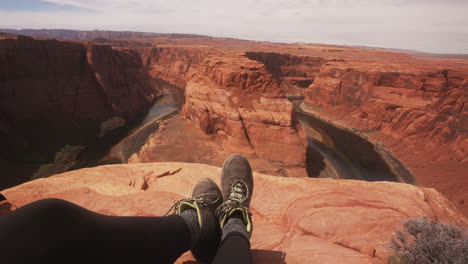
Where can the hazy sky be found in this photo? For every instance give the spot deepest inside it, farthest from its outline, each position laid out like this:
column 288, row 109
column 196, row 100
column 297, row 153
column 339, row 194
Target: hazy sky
column 439, row 26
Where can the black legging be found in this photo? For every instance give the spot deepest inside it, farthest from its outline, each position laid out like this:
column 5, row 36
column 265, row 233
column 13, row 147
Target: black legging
column 56, row 231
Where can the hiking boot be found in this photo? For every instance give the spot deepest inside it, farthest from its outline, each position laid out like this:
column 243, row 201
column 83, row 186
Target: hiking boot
column 237, row 187
column 206, row 197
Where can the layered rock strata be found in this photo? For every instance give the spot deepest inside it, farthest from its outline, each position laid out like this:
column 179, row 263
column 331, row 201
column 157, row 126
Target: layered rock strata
column 173, row 64
column 411, row 108
column 57, row 92
column 236, row 100
column 417, row 111
column 295, row 220
column 293, row 73
column 407, row 103
column 240, row 102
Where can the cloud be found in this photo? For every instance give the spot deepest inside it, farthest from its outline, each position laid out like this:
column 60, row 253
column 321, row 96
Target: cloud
column 245, row 5
column 427, row 25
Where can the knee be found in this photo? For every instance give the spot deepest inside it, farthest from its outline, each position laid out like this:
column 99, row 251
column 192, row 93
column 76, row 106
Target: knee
column 51, row 206
column 53, row 203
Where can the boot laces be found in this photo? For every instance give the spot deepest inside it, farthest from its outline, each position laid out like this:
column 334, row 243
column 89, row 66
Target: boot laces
column 238, row 194
column 204, row 199
column 238, row 191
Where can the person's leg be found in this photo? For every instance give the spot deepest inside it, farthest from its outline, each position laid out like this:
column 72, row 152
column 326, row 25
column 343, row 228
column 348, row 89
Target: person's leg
column 56, row 231
column 234, row 215
column 199, row 213
column 234, row 249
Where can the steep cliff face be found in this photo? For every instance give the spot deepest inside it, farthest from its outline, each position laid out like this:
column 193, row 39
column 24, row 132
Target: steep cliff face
column 301, row 221
column 64, row 82
column 238, row 102
column 420, row 104
column 444, row 121
column 293, row 73
column 411, row 108
column 55, row 92
column 173, row 64
column 122, row 78
column 415, row 109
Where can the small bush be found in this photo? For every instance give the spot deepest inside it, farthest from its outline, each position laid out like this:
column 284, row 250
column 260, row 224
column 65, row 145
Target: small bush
column 421, row 241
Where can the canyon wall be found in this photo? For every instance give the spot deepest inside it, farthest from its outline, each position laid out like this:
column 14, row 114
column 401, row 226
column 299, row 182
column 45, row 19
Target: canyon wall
column 56, row 92
column 419, row 104
column 414, row 108
column 237, row 101
column 293, row 73
column 235, row 92
column 65, row 82
column 173, row 64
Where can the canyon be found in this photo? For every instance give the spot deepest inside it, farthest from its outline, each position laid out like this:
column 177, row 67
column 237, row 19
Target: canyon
column 346, row 142
column 55, row 93
column 411, row 109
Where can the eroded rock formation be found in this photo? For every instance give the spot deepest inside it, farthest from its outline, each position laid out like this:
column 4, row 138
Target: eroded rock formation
column 66, row 82
column 412, row 103
column 293, row 73
column 295, row 220
column 411, row 108
column 387, row 96
column 173, row 64
column 56, row 92
column 238, row 101
column 415, row 108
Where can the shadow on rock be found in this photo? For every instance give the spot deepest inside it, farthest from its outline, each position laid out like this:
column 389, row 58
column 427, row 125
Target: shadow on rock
column 260, row 256
column 268, row 256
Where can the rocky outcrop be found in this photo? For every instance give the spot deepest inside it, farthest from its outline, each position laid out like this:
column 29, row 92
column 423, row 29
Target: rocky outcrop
column 293, row 73
column 173, row 64
column 406, row 103
column 236, row 100
column 413, row 109
column 295, row 220
column 65, row 82
column 239, row 101
column 416, row 109
column 55, row 92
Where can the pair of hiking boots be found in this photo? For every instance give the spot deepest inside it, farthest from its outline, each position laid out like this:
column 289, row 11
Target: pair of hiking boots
column 215, row 207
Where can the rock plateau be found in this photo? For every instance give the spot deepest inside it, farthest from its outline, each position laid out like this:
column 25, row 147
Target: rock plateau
column 295, row 220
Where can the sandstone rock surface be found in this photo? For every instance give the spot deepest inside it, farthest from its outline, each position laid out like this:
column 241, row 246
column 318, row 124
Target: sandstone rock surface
column 295, row 220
